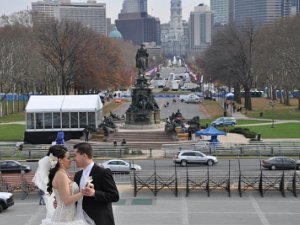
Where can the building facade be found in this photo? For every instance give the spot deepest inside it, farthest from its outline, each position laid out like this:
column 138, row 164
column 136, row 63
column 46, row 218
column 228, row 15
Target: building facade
column 90, row 14
column 223, row 11
column 136, row 25
column 201, row 23
column 261, row 12
column 174, row 42
column 43, row 11
column 134, row 6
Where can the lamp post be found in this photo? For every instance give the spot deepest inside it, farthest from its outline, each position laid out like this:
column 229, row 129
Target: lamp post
column 272, row 104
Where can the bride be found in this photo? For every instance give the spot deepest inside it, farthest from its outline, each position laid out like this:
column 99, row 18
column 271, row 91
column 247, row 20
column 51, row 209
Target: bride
column 66, row 191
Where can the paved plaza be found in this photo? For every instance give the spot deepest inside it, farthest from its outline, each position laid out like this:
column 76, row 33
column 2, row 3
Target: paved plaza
column 165, row 209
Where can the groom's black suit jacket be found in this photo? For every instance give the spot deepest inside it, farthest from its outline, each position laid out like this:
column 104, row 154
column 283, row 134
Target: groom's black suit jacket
column 99, row 207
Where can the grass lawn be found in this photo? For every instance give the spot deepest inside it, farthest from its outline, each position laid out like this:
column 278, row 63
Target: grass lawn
column 13, row 117
column 211, row 108
column 12, row 132
column 286, row 130
column 281, row 111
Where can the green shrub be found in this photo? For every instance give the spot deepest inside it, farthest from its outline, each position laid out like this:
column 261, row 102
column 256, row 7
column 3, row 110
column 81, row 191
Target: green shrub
column 244, row 131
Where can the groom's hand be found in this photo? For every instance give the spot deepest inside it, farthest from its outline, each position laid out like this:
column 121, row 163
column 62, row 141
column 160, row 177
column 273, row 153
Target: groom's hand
column 89, row 191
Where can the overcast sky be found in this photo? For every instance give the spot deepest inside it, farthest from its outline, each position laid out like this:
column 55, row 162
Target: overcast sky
column 156, row 8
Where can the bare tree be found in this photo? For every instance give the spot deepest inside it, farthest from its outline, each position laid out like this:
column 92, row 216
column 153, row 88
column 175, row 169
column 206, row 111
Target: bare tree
column 65, row 46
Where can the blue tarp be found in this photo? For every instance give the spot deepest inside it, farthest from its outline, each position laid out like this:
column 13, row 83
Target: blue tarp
column 211, row 131
column 60, row 138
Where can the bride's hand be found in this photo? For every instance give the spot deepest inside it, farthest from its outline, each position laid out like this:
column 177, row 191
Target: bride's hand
column 89, row 190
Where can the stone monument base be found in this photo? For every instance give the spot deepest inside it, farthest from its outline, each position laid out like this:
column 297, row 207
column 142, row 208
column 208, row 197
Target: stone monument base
column 142, row 126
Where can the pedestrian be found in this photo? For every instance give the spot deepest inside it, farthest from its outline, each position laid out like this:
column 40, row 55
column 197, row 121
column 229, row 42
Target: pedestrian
column 42, row 200
column 115, row 143
column 190, row 133
column 123, row 142
column 86, row 134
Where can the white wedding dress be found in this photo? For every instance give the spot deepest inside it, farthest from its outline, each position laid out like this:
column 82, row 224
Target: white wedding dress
column 67, row 215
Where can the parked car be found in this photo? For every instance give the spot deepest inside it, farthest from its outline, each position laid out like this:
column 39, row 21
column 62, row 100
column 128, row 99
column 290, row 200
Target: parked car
column 12, row 166
column 6, row 200
column 224, row 121
column 188, row 157
column 281, row 162
column 117, row 165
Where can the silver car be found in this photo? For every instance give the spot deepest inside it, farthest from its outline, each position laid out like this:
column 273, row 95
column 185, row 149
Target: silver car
column 224, row 121
column 188, row 157
column 117, row 165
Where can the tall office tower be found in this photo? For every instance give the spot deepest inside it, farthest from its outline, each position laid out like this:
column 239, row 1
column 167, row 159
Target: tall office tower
column 134, row 6
column 261, row 11
column 136, row 25
column 201, row 22
column 296, row 6
column 91, row 13
column 223, row 11
column 43, row 11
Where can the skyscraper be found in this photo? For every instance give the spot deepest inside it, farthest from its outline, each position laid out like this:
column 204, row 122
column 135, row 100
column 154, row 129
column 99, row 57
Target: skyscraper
column 201, row 22
column 136, row 25
column 261, row 11
column 223, row 11
column 43, row 11
column 134, row 6
column 91, row 13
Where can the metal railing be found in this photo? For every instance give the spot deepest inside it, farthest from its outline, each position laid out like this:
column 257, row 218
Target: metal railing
column 209, row 180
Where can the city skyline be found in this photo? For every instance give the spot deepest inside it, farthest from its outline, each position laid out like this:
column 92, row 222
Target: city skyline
column 156, row 8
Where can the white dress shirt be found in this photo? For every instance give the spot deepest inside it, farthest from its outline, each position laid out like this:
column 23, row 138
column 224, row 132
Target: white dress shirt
column 84, row 178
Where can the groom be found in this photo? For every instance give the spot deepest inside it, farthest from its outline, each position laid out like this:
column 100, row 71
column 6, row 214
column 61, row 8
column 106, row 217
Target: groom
column 97, row 198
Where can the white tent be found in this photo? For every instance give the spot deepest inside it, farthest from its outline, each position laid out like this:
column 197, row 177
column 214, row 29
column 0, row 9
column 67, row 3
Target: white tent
column 58, row 112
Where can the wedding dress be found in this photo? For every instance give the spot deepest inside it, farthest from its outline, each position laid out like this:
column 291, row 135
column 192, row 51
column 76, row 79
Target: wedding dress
column 67, row 215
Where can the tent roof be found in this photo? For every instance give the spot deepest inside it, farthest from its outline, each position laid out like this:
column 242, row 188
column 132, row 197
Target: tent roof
column 64, row 103
column 210, row 131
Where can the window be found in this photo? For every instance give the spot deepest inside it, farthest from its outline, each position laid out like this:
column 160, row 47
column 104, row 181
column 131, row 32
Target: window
column 82, row 117
column 113, row 163
column 48, row 120
column 65, row 120
column 91, row 119
column 74, row 119
column 39, row 121
column 122, row 163
column 30, row 120
column 56, row 120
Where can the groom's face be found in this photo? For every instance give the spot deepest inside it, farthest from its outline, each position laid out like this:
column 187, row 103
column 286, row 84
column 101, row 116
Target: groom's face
column 79, row 159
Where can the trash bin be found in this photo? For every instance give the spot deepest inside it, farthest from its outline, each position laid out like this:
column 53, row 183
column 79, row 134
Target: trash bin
column 258, row 137
column 261, row 114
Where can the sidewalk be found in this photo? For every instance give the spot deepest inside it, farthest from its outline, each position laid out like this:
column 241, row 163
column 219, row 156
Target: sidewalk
column 166, row 209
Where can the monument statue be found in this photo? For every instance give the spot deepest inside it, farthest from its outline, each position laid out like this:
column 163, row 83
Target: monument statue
column 143, row 110
column 141, row 59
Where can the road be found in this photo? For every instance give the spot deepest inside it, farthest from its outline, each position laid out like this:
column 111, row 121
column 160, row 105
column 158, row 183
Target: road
column 247, row 165
column 188, row 110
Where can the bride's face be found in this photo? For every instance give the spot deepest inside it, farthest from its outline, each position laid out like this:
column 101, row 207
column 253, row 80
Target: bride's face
column 66, row 161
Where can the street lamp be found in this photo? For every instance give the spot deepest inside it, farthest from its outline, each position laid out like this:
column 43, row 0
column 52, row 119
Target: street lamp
column 272, row 104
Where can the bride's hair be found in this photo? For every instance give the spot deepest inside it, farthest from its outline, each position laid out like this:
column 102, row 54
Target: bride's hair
column 58, row 151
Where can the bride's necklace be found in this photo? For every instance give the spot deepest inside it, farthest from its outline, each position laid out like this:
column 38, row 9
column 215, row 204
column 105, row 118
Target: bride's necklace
column 64, row 171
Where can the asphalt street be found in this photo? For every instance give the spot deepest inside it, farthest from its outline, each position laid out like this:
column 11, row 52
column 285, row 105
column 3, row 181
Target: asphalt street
column 188, row 110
